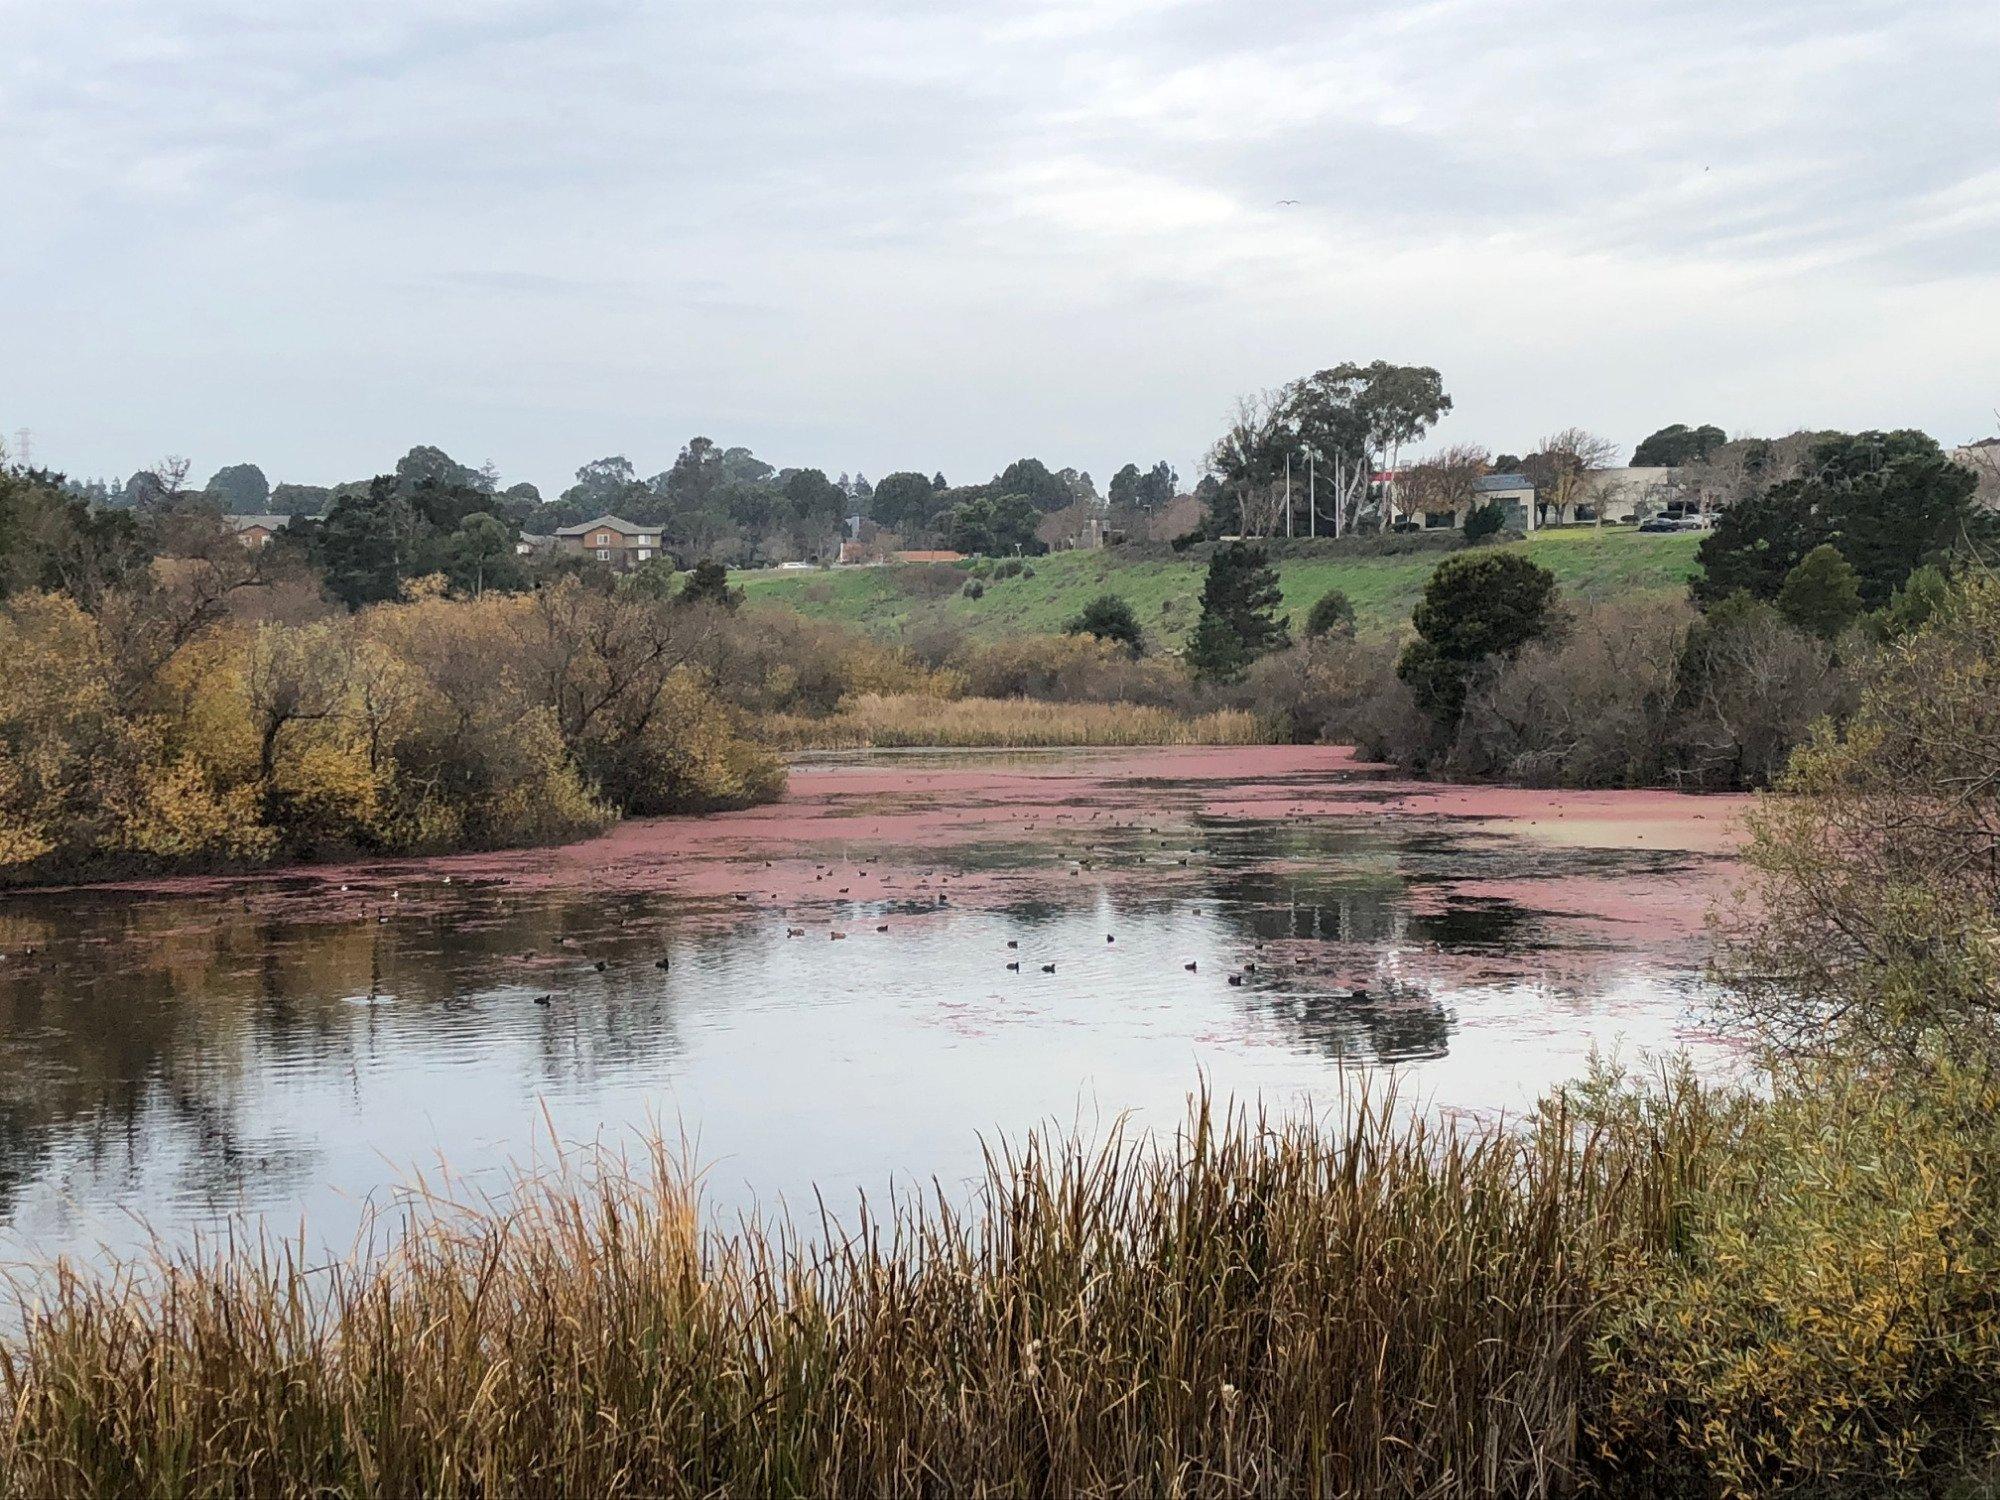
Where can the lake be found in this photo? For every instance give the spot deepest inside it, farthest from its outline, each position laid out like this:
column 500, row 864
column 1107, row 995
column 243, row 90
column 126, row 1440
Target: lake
column 837, row 1008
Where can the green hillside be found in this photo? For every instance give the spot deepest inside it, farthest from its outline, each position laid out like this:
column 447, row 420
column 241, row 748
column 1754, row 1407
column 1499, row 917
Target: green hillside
column 1166, row 591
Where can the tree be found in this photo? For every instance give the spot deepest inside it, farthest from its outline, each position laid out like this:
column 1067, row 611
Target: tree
column 997, row 525
column 1123, row 491
column 817, row 506
column 482, row 553
column 1032, row 479
column 902, row 501
column 1109, row 618
column 708, row 583
column 1677, row 444
column 604, row 487
column 1239, row 614
column 300, row 500
column 1361, row 417
column 1331, row 615
column 1822, row 595
column 52, row 540
column 1563, row 470
column 1475, row 607
column 425, row 462
column 1888, row 501
column 1445, row 482
column 240, row 489
column 1158, row 486
column 366, row 544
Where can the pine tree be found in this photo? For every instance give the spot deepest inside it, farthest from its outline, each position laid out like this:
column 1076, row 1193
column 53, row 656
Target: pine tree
column 1239, row 620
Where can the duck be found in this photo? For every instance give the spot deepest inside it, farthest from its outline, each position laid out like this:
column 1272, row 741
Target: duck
column 600, row 966
column 1015, row 966
column 1048, row 968
column 663, row 963
column 1190, row 967
column 545, row 999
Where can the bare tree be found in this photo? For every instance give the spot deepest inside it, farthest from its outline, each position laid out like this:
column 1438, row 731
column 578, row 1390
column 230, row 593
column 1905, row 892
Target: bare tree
column 1563, row 468
column 1448, row 480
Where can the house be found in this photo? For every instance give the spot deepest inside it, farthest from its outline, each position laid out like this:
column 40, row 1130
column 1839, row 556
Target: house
column 255, row 531
column 1513, row 493
column 932, row 556
column 533, row 544
column 622, row 544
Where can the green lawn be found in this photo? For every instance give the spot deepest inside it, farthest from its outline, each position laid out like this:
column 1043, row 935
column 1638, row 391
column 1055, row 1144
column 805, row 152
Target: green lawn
column 1589, row 564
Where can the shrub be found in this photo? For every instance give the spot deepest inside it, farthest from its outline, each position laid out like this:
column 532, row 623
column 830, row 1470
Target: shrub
column 1331, row 614
column 1474, row 608
column 1109, row 618
column 1484, row 522
column 974, row 589
column 1875, row 882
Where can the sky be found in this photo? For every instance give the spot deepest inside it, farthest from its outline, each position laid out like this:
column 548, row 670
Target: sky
column 869, row 235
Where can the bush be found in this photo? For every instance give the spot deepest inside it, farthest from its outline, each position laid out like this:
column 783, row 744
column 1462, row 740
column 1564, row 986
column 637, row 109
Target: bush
column 1109, row 618
column 1484, row 522
column 1474, row 608
column 974, row 589
column 1331, row 614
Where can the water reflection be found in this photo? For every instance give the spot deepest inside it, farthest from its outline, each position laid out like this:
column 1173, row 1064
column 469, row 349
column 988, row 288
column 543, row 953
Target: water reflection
column 293, row 1049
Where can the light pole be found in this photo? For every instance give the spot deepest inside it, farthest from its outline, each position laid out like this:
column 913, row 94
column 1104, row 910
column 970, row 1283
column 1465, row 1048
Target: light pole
column 1312, row 492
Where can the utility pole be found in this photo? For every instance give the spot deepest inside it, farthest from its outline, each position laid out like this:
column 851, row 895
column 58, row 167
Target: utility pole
column 1288, row 496
column 1312, row 494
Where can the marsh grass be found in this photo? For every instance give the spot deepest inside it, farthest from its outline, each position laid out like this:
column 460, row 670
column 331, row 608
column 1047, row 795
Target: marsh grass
column 904, row 720
column 1384, row 1307
column 1673, row 1290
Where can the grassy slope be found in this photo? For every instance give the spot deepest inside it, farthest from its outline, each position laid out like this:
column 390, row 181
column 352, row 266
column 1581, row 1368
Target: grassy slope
column 1612, row 564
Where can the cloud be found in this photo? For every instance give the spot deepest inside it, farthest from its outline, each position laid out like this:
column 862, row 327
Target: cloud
column 875, row 234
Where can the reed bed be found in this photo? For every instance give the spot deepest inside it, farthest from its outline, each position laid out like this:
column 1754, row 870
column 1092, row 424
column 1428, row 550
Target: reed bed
column 1241, row 1308
column 1669, row 1291
column 909, row 720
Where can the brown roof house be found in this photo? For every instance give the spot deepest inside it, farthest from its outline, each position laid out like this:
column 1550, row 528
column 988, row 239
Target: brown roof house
column 255, row 531
column 622, row 544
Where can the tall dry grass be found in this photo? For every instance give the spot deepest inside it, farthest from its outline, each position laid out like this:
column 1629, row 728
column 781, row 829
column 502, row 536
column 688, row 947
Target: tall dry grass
column 1242, row 1308
column 894, row 721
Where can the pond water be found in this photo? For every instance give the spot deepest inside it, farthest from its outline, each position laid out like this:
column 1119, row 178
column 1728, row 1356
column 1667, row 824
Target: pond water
column 181, row 1056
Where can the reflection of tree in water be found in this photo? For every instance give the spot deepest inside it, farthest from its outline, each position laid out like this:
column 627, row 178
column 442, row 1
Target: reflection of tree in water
column 137, row 1027
column 1389, row 1023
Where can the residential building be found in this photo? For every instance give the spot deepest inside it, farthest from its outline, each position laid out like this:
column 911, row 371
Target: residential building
column 533, row 544
column 622, row 544
column 255, row 531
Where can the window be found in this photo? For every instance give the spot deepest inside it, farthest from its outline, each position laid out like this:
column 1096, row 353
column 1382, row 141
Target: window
column 604, row 554
column 644, row 553
column 603, row 539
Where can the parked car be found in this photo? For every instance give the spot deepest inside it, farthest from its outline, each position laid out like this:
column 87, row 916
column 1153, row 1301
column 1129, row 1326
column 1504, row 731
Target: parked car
column 1661, row 523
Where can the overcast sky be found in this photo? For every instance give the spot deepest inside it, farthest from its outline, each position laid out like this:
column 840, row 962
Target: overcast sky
column 872, row 236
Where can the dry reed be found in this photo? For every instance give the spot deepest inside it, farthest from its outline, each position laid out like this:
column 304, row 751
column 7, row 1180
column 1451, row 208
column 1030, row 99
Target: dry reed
column 908, row 720
column 1246, row 1307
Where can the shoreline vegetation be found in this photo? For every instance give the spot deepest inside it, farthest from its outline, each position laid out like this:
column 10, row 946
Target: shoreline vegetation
column 1649, row 1286
column 396, row 678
